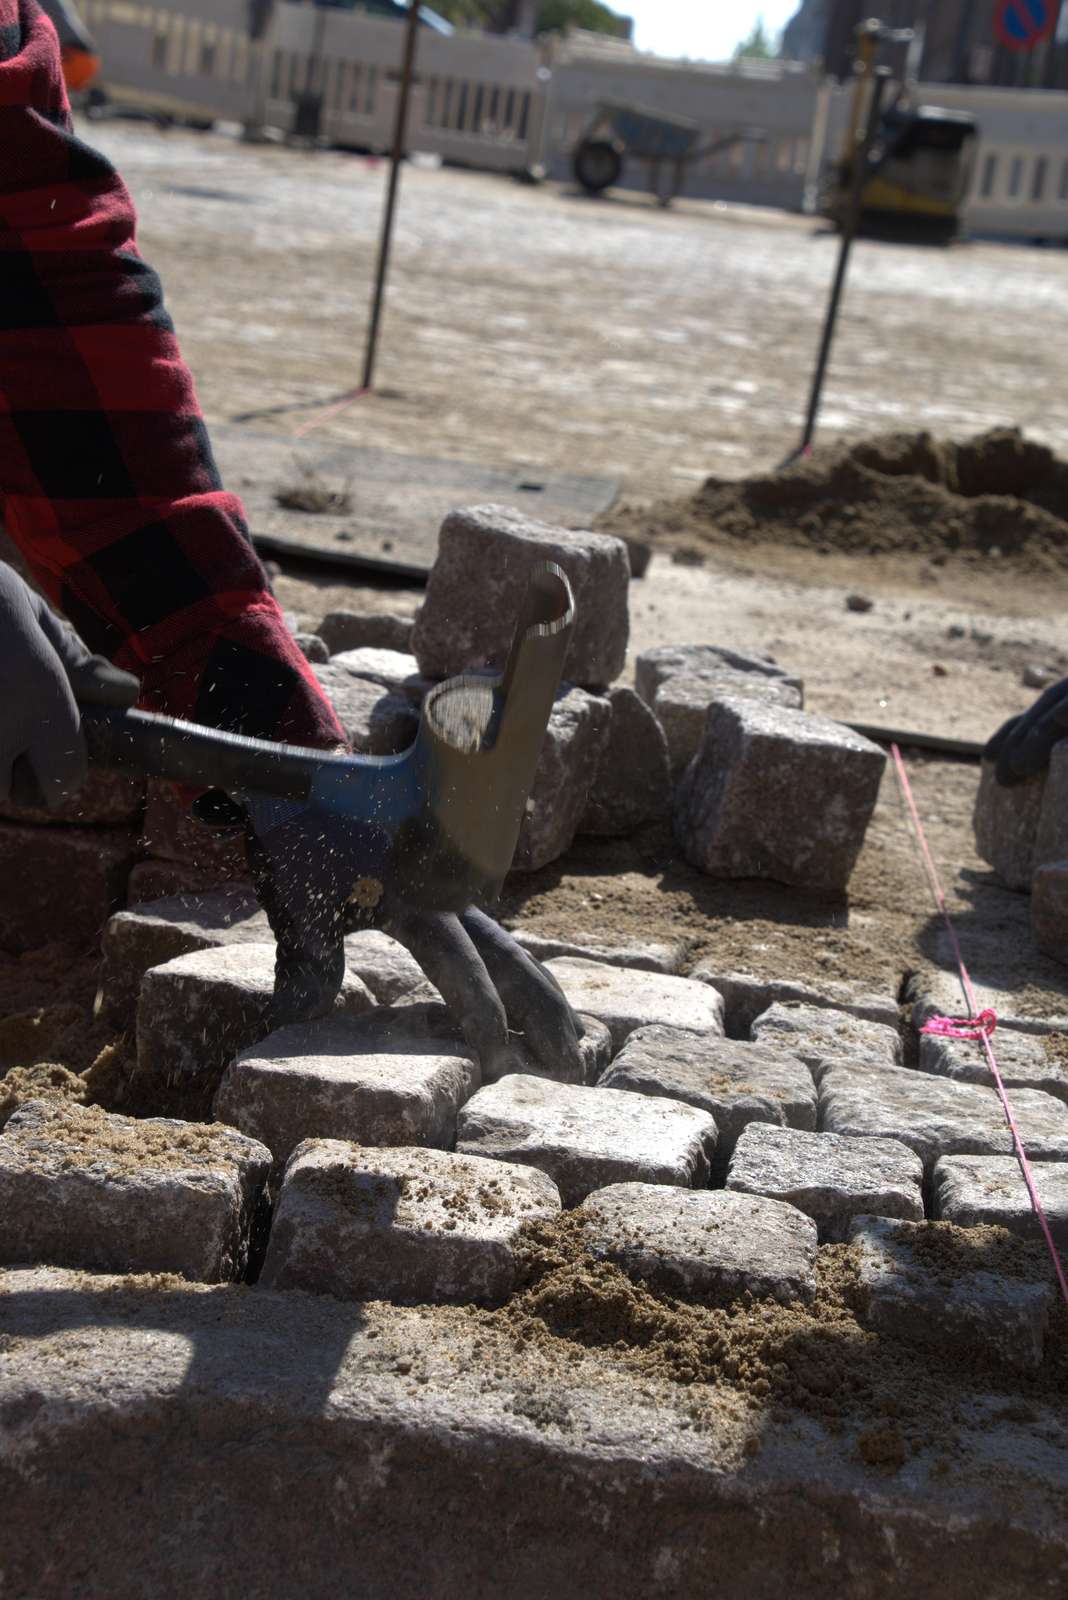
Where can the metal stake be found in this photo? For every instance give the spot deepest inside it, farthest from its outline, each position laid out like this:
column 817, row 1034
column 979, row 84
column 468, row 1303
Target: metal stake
column 400, row 131
column 850, row 222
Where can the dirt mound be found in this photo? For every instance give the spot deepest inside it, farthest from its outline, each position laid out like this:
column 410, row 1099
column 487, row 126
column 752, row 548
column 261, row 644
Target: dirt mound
column 997, row 495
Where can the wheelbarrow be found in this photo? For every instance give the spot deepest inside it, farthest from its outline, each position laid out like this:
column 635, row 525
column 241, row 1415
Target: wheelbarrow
column 616, row 132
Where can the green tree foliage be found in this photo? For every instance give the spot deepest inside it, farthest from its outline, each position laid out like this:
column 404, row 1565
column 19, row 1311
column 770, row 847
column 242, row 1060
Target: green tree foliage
column 758, row 45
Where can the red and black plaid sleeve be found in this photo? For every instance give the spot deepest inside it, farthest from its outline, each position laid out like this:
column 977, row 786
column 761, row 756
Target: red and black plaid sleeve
column 107, row 480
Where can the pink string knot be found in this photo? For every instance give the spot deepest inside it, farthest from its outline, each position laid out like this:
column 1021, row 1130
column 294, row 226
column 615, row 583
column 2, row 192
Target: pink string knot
column 980, row 1027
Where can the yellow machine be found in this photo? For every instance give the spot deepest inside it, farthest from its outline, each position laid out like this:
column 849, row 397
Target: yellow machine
column 919, row 168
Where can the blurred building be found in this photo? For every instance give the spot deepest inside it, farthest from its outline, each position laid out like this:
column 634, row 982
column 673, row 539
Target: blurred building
column 956, row 41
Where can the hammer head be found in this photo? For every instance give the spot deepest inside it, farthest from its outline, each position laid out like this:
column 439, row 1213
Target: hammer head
column 447, row 812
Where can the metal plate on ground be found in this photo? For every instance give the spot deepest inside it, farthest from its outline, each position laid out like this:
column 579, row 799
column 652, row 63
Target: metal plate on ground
column 394, row 503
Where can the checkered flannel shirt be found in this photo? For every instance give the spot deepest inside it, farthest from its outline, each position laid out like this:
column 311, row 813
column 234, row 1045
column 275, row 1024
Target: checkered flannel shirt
column 107, row 481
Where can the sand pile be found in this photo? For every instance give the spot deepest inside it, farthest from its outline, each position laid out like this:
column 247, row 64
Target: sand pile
column 998, row 495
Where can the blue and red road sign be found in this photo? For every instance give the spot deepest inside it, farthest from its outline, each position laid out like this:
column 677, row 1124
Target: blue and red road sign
column 1021, row 24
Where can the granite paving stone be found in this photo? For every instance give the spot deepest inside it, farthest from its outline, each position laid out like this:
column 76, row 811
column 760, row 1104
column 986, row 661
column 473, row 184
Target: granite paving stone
column 775, row 793
column 408, row 1225
column 397, row 1075
column 973, row 1191
column 706, row 1242
column 81, row 1187
column 736, row 1083
column 625, row 998
column 463, row 624
column 587, row 1138
column 196, row 1012
column 832, row 1179
column 820, row 1036
column 1025, row 1061
column 916, row 1291
column 1006, row 825
column 938, row 1116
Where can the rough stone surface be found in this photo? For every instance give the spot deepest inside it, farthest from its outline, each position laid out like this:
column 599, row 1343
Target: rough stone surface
column 1025, row 1061
column 1006, row 826
column 933, row 992
column 80, row 1187
column 1049, row 909
column 587, row 1138
column 376, row 721
column 105, row 799
column 820, row 1036
column 652, row 957
column 539, row 1474
column 633, row 784
column 173, row 834
column 374, row 630
column 1051, row 835
column 746, row 995
column 196, row 1012
column 830, row 1178
column 706, row 1243
column 395, row 670
column 653, row 667
column 466, row 624
column 912, row 1298
column 396, row 1076
column 681, row 705
column 413, row 1226
column 312, row 647
column 575, row 742
column 779, row 794
column 625, row 998
column 60, row 881
column 158, row 931
column 936, row 1116
column 975, row 1190
column 735, row 1083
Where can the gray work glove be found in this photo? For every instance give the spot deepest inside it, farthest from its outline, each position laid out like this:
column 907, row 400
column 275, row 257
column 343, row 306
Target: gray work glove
column 1021, row 747
column 44, row 669
column 511, row 1011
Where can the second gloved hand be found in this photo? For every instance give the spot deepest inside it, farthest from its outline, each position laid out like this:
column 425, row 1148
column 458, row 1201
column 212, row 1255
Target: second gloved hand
column 1022, row 746
column 511, row 1011
column 45, row 670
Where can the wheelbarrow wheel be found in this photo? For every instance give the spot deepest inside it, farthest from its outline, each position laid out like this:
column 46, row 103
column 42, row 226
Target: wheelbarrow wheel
column 596, row 165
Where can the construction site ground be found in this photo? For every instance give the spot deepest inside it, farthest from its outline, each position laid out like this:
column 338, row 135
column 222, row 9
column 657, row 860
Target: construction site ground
column 485, row 1453
column 657, row 346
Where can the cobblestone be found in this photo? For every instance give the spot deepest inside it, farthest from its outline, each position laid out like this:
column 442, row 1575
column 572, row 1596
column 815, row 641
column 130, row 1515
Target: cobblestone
column 702, row 1243
column 820, row 1036
column 625, row 998
column 80, row 1187
column 584, row 1138
column 830, row 1178
column 975, row 1190
column 408, row 1225
column 395, row 1076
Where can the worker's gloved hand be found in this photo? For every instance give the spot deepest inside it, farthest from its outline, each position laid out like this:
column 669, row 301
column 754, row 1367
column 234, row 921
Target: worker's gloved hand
column 44, row 670
column 315, row 889
column 1021, row 747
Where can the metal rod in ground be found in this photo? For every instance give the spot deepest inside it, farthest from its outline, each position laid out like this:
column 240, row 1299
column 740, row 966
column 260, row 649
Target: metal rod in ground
column 849, row 228
column 400, row 132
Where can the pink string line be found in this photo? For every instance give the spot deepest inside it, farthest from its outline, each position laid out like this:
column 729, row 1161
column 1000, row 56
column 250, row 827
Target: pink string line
column 978, row 1019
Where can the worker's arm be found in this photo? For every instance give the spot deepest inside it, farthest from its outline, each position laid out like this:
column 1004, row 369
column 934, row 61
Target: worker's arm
column 107, row 481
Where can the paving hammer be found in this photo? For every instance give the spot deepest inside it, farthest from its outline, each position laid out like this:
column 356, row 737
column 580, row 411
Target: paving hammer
column 446, row 812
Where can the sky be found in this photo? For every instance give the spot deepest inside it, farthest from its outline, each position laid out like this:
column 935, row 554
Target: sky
column 705, row 29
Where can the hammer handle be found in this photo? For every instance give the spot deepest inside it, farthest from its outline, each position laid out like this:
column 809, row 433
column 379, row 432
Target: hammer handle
column 185, row 752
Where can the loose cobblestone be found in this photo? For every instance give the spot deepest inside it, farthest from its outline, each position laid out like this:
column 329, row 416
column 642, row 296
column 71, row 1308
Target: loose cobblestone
column 830, row 1178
